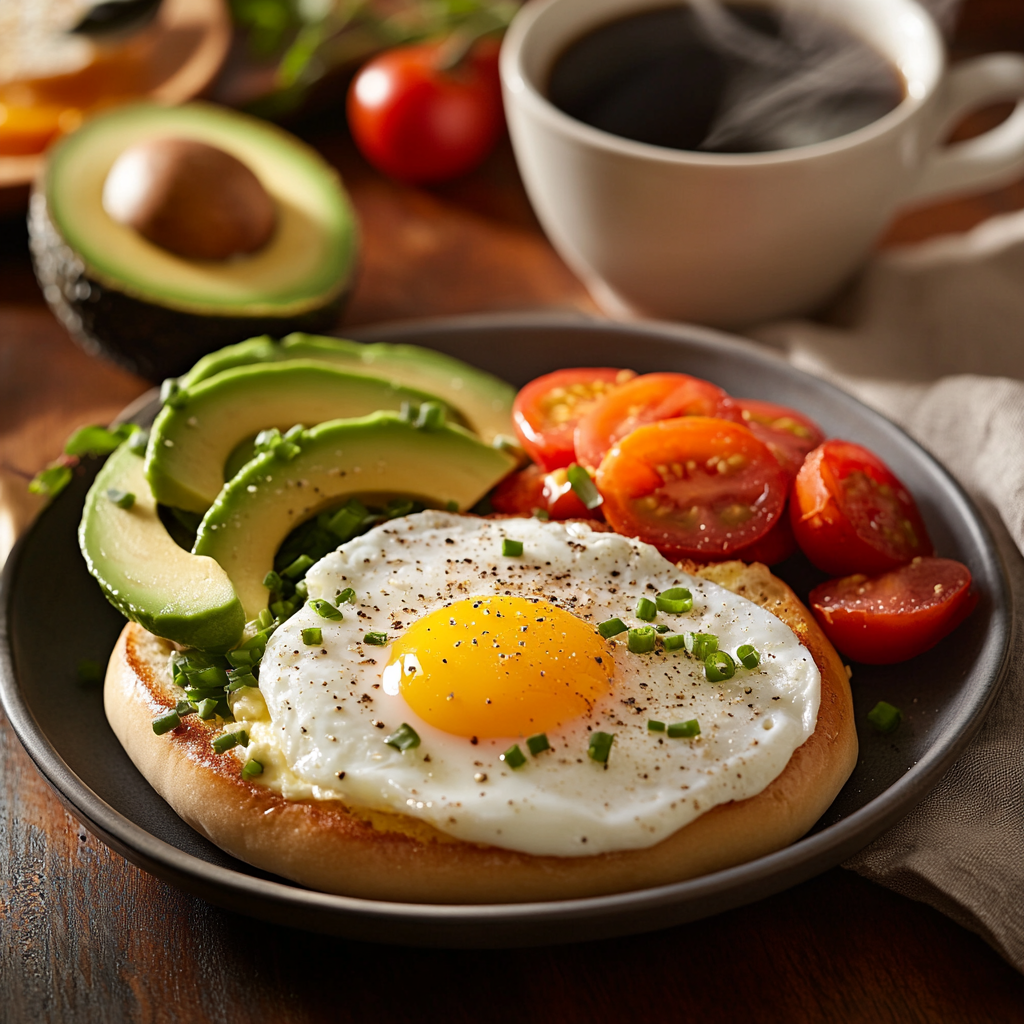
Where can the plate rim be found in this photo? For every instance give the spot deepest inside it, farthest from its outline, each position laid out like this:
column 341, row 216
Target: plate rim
column 479, row 925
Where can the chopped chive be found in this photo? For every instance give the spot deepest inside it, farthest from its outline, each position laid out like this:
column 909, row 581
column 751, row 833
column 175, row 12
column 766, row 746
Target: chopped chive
column 399, row 507
column 347, row 596
column 298, row 567
column 538, row 744
column 584, row 488
column 452, row 506
column 719, row 666
column 404, row 737
column 267, row 439
column 686, row 730
column 171, row 393
column 165, row 723
column 407, row 412
column 675, row 599
column 600, row 746
column 641, row 640
column 431, row 416
column 222, row 744
column 89, row 671
column 653, row 725
column 285, row 451
column 375, row 639
column 646, row 610
column 282, row 609
column 540, row 513
column 325, row 609
column 137, row 441
column 301, row 590
column 51, row 481
column 295, row 433
column 611, row 627
column 239, row 659
column 514, row 757
column 661, row 628
column 251, row 769
column 195, row 695
column 347, row 520
column 700, row 645
column 511, row 548
column 748, row 655
column 206, row 708
column 259, row 640
column 272, row 581
column 674, row 642
column 239, row 677
column 185, row 707
column 265, row 619
column 505, row 443
column 122, row 499
column 213, row 676
column 883, row 716
column 313, row 636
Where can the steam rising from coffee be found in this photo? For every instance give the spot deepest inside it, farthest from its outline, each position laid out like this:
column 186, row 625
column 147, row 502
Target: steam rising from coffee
column 798, row 85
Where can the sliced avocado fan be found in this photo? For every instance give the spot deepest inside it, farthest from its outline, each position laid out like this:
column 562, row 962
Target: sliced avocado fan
column 483, row 401
column 379, row 456
column 200, row 427
column 182, row 597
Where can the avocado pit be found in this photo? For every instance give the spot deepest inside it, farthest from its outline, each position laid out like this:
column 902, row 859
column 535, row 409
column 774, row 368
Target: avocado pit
column 190, row 198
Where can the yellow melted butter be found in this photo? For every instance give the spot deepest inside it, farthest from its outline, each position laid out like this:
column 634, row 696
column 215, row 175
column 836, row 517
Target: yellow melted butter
column 252, row 715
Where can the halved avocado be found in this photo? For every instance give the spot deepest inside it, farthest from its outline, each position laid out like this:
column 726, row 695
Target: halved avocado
column 375, row 457
column 192, row 439
column 157, row 312
column 484, row 401
column 144, row 574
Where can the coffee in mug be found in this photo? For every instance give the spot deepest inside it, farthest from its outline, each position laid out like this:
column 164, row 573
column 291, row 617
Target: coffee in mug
column 754, row 219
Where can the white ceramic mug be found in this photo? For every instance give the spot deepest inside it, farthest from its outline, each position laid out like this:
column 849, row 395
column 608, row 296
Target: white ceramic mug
column 733, row 239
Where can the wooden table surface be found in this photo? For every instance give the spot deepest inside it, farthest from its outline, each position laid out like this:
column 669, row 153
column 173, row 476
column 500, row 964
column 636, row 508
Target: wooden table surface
column 85, row 936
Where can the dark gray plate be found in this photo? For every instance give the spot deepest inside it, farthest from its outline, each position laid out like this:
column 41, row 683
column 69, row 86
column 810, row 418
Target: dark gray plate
column 46, row 593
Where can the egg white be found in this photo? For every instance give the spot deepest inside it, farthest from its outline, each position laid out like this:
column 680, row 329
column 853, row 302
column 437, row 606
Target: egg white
column 320, row 718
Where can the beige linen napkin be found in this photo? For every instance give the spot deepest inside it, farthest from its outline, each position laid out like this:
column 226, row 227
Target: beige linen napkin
column 933, row 337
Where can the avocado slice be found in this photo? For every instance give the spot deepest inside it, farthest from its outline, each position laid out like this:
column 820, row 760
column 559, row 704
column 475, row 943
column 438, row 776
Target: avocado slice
column 484, row 401
column 156, row 312
column 176, row 595
column 192, row 438
column 376, row 457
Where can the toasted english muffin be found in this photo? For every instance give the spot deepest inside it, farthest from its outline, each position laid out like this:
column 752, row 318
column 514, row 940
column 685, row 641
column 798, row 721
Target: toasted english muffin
column 330, row 846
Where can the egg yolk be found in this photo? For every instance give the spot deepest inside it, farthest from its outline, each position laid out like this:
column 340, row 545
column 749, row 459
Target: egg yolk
column 499, row 666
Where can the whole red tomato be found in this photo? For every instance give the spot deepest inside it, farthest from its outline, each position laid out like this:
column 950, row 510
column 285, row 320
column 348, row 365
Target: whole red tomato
column 421, row 122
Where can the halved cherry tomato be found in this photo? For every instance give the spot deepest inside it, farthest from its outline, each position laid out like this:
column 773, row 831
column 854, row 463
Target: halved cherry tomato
column 898, row 615
column 693, row 487
column 546, row 411
column 775, row 546
column 647, row 399
column 531, row 488
column 418, row 120
column 851, row 514
column 790, row 435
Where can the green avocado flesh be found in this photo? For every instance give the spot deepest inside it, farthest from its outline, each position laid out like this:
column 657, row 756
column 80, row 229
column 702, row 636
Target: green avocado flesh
column 379, row 456
column 306, row 264
column 191, row 441
column 176, row 595
column 484, row 401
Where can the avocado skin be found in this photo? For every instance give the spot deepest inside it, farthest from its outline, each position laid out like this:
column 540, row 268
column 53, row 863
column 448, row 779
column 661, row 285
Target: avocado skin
column 146, row 338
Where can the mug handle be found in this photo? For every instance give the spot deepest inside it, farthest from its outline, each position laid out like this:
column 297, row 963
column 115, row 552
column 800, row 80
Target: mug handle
column 990, row 160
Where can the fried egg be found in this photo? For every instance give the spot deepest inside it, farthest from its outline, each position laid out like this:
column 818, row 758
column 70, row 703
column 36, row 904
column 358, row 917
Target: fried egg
column 485, row 651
